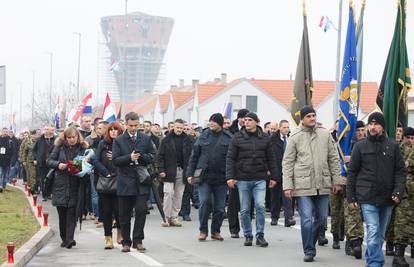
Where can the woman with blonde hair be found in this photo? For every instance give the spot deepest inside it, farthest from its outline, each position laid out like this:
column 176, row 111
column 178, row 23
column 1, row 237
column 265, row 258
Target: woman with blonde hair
column 67, row 187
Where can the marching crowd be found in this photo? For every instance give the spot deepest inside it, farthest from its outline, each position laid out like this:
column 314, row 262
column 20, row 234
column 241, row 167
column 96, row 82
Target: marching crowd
column 235, row 170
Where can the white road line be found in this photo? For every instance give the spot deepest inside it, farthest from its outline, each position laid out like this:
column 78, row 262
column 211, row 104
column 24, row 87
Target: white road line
column 138, row 255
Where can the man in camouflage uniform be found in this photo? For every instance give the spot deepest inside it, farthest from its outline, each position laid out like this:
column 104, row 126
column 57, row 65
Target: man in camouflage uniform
column 354, row 227
column 404, row 212
column 26, row 157
column 405, row 149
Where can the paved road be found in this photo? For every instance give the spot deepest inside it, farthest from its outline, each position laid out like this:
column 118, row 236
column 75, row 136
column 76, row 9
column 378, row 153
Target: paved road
column 180, row 247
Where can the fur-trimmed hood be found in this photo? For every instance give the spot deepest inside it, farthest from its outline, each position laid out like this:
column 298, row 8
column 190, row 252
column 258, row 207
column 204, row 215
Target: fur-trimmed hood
column 59, row 142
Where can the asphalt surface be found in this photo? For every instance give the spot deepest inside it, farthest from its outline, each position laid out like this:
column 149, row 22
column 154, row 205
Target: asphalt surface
column 179, row 246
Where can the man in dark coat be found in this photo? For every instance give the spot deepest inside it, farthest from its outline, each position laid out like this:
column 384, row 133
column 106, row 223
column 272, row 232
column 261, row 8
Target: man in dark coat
column 41, row 150
column 376, row 182
column 279, row 142
column 7, row 156
column 173, row 154
column 130, row 151
column 249, row 159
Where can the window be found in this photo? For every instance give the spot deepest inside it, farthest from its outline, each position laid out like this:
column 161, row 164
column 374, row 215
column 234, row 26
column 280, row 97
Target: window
column 251, row 103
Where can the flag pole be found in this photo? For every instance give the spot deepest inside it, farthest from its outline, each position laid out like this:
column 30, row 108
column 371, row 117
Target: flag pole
column 304, row 7
column 338, row 65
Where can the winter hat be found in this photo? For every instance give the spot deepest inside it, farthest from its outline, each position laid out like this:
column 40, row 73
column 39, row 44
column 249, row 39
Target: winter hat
column 217, row 118
column 378, row 118
column 253, row 116
column 242, row 113
column 409, row 131
column 305, row 111
column 360, row 124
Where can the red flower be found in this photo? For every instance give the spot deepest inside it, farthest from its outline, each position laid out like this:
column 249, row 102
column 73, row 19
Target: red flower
column 72, row 168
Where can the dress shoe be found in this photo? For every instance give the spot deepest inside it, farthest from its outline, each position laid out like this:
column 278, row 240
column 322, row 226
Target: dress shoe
column 63, row 244
column 249, row 241
column 140, row 248
column 308, row 258
column 234, row 235
column 289, row 222
column 217, row 237
column 70, row 244
column 186, row 218
column 261, row 241
column 202, row 236
column 274, row 221
column 126, row 248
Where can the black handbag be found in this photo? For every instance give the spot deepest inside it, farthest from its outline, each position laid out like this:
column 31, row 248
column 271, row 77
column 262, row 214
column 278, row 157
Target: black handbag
column 143, row 175
column 106, row 185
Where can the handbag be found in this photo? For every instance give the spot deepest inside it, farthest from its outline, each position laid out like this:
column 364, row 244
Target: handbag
column 106, row 184
column 197, row 176
column 143, row 175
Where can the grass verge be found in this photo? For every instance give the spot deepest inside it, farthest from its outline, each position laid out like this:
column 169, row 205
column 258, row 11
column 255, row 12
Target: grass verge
column 17, row 223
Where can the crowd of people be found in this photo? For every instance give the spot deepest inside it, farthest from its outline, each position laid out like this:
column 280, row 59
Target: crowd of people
column 229, row 170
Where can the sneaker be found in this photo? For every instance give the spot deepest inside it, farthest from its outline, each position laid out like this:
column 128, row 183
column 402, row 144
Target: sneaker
column 175, row 222
column 308, row 258
column 274, row 221
column 249, row 241
column 261, row 241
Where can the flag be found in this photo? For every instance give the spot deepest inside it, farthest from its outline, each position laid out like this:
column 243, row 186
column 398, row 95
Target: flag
column 397, row 80
column 56, row 119
column 88, row 104
column 114, row 65
column 76, row 113
column 302, row 90
column 348, row 101
column 13, row 123
column 359, row 49
column 228, row 109
column 109, row 110
column 325, row 24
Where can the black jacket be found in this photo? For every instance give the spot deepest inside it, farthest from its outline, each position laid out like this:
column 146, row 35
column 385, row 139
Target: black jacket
column 250, row 157
column 167, row 156
column 9, row 156
column 277, row 146
column 42, row 149
column 156, row 140
column 66, row 187
column 122, row 147
column 209, row 154
column 234, row 128
column 103, row 165
column 376, row 171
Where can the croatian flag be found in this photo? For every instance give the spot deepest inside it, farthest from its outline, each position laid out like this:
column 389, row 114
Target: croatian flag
column 109, row 110
column 57, row 114
column 85, row 107
column 228, row 110
column 325, row 23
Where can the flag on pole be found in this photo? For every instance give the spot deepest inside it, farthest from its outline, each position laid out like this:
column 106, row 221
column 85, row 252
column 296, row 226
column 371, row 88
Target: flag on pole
column 348, row 101
column 56, row 119
column 228, row 109
column 397, row 80
column 325, row 24
column 109, row 110
column 302, row 90
column 76, row 113
column 359, row 49
column 13, row 122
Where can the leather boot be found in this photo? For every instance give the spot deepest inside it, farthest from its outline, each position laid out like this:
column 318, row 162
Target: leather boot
column 119, row 236
column 399, row 260
column 335, row 244
column 108, row 242
column 356, row 248
column 348, row 247
column 389, row 249
column 322, row 240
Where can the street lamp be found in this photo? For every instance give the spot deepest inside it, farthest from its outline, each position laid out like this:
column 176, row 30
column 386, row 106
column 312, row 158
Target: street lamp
column 79, row 57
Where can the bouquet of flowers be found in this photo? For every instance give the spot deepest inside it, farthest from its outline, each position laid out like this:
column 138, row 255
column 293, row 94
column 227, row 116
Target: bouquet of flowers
column 80, row 165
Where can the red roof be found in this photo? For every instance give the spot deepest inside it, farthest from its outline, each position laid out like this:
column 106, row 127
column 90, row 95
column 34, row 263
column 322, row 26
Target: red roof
column 206, row 91
column 181, row 97
column 147, row 106
column 164, row 101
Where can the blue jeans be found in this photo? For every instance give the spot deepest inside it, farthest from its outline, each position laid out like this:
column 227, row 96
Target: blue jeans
column 94, row 196
column 219, row 193
column 4, row 176
column 376, row 220
column 247, row 190
column 313, row 211
column 13, row 171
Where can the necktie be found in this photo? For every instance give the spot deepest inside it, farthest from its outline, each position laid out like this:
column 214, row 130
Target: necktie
column 284, row 142
column 133, row 139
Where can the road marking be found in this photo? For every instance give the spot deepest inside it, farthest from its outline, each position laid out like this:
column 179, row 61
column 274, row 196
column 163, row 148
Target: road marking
column 138, row 255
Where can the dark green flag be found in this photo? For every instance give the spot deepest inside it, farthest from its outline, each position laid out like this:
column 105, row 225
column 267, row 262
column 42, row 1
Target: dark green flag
column 397, row 81
column 302, row 90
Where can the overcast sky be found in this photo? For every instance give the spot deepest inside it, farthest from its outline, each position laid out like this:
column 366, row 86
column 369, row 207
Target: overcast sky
column 248, row 38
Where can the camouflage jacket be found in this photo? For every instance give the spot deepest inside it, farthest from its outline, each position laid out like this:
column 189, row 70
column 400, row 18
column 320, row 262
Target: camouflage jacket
column 26, row 151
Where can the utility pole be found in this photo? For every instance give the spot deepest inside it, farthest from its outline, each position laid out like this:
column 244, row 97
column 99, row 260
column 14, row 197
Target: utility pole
column 79, row 60
column 338, row 65
column 124, row 71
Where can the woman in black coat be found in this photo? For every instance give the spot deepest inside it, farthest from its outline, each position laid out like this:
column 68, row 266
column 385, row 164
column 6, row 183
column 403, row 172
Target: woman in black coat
column 66, row 187
column 108, row 172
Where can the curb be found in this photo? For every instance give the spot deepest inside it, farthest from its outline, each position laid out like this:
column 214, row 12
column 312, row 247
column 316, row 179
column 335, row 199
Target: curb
column 26, row 252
